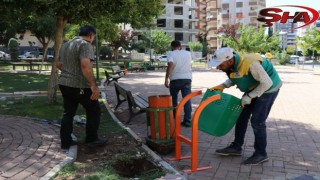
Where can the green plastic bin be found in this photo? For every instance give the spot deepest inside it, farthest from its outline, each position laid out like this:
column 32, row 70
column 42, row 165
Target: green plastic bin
column 219, row 117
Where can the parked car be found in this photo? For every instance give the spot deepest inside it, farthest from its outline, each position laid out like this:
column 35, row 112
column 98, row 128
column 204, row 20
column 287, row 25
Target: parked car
column 49, row 57
column 4, row 56
column 293, row 59
column 27, row 55
column 162, row 58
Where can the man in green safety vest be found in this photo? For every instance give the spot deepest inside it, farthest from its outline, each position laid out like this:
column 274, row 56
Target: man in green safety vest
column 260, row 82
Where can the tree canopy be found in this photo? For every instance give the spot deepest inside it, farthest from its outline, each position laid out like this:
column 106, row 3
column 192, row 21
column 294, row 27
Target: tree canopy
column 195, row 46
column 160, row 42
column 251, row 39
column 310, row 41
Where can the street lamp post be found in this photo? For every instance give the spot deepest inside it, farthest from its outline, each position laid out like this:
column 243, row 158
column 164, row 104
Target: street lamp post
column 150, row 54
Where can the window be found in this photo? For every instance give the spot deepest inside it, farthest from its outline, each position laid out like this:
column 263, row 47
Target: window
column 178, row 10
column 239, row 4
column 175, row 1
column 178, row 23
column 161, row 22
column 178, row 36
column 253, row 8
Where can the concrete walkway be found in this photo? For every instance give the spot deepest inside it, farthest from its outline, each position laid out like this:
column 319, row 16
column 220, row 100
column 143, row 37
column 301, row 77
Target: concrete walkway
column 29, row 149
column 293, row 127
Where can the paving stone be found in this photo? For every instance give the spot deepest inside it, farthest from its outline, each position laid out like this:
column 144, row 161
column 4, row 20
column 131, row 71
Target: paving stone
column 20, row 151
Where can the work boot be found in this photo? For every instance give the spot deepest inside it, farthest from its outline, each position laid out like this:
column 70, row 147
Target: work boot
column 97, row 142
column 186, row 123
column 231, row 150
column 256, row 159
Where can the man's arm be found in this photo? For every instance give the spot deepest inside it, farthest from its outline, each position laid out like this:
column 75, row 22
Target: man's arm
column 87, row 72
column 58, row 64
column 168, row 72
column 262, row 77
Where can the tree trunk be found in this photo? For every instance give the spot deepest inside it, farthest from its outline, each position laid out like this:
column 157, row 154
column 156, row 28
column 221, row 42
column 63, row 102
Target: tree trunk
column 116, row 55
column 44, row 54
column 53, row 81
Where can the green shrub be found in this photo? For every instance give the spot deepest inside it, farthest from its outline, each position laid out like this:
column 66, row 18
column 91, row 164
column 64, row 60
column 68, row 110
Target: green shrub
column 13, row 46
column 195, row 46
column 283, row 57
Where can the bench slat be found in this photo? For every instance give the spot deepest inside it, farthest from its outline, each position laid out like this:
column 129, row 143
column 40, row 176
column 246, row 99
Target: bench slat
column 116, row 70
column 140, row 101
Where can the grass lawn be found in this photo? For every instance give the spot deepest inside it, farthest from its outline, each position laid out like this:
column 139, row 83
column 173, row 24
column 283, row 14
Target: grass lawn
column 23, row 81
column 199, row 64
column 12, row 82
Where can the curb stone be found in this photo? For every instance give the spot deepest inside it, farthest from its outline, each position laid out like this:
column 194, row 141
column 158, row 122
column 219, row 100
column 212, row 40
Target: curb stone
column 71, row 157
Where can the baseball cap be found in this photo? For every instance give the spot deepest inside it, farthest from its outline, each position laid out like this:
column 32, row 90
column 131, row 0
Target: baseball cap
column 220, row 56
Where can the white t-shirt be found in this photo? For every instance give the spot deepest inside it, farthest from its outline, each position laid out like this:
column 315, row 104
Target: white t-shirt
column 181, row 64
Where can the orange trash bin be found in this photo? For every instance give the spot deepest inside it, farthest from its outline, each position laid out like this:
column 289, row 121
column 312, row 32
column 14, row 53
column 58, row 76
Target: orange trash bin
column 162, row 101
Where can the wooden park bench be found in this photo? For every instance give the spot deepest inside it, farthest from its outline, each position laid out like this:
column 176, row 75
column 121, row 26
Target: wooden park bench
column 116, row 70
column 46, row 65
column 135, row 101
column 137, row 68
column 110, row 78
column 23, row 64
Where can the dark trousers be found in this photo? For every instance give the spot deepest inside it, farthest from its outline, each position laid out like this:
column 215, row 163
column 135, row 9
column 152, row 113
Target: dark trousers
column 257, row 112
column 71, row 99
column 183, row 85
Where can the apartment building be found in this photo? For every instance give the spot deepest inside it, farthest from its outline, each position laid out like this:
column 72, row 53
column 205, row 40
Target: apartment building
column 207, row 14
column 286, row 29
column 179, row 20
column 216, row 13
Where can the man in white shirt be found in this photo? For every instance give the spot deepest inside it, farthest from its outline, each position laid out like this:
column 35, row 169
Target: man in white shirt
column 178, row 78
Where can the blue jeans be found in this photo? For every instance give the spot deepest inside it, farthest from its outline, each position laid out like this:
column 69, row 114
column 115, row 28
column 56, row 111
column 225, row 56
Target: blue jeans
column 257, row 112
column 183, row 85
column 71, row 99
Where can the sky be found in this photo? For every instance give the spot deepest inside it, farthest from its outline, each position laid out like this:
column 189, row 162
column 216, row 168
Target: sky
column 315, row 4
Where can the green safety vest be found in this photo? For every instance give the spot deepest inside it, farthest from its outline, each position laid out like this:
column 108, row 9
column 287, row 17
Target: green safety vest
column 242, row 77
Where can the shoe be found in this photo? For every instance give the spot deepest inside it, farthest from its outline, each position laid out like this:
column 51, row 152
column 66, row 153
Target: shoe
column 256, row 159
column 186, row 123
column 231, row 150
column 97, row 142
column 73, row 143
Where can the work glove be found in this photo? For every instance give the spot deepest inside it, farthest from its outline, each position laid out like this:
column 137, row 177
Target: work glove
column 246, row 100
column 218, row 88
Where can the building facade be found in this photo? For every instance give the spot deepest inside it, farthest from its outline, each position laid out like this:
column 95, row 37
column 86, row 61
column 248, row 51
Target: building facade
column 179, row 20
column 286, row 29
column 207, row 14
column 213, row 14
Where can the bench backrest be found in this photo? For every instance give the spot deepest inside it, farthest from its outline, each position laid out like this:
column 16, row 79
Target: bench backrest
column 135, row 66
column 115, row 68
column 131, row 100
column 120, row 90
